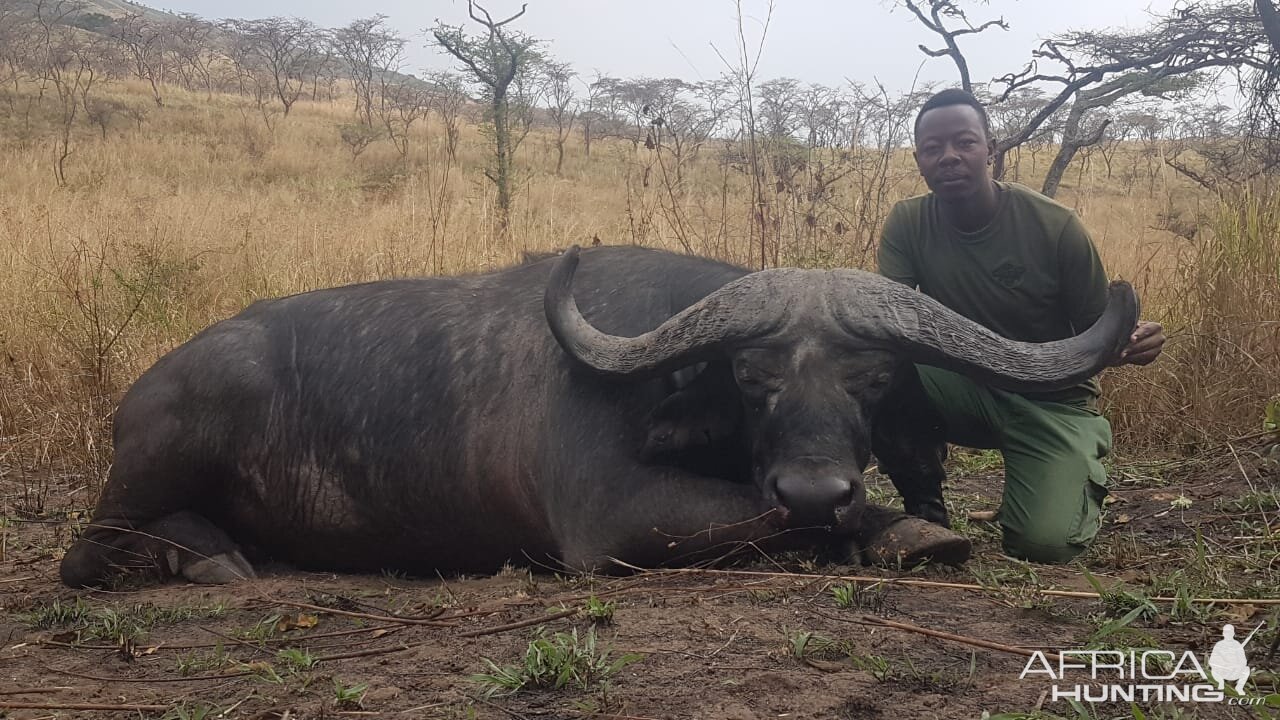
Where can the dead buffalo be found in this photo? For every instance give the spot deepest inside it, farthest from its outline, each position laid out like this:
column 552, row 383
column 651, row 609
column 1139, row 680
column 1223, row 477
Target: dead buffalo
column 457, row 423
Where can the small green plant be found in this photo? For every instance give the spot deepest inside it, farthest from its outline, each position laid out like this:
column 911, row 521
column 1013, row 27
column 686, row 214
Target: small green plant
column 57, row 615
column 852, row 596
column 264, row 671
column 1116, row 634
column 1271, row 416
column 1252, row 502
column 348, row 697
column 296, row 660
column 1119, row 601
column 599, row 612
column 114, row 623
column 190, row 663
column 264, row 630
column 878, row 667
column 806, row 645
column 554, row 662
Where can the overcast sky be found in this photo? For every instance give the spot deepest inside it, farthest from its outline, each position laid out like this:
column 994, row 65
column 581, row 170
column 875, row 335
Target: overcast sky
column 823, row 41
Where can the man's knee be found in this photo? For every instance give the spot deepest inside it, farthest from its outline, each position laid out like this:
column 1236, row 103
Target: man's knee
column 1052, row 548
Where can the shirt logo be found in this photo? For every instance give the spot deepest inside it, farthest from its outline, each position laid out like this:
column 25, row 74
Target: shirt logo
column 1009, row 274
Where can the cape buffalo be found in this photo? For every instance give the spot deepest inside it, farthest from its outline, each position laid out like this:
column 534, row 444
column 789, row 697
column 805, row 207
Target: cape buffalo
column 457, row 423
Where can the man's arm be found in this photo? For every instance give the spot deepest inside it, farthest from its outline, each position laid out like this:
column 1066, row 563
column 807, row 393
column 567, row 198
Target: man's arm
column 1082, row 281
column 1084, row 293
column 894, row 257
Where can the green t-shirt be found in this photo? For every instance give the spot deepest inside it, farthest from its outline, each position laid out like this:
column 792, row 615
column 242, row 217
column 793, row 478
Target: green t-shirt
column 1033, row 274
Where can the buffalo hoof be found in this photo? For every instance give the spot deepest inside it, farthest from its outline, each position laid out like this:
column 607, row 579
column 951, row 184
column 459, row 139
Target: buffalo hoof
column 219, row 569
column 912, row 541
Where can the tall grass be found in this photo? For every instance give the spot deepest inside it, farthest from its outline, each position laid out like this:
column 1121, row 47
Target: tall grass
column 183, row 217
column 1221, row 305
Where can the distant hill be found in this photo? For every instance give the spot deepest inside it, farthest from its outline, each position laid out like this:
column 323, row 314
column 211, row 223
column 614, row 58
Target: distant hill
column 119, row 8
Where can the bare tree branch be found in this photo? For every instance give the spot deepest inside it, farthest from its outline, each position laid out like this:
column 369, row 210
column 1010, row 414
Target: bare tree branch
column 1270, row 22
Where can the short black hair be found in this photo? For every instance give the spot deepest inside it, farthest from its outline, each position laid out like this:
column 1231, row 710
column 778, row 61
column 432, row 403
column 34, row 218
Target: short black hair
column 953, row 96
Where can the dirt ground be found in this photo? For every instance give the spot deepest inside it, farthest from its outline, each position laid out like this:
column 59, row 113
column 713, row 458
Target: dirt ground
column 764, row 638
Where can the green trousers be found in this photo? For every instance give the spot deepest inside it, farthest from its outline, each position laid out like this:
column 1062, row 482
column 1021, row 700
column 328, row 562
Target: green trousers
column 1054, row 480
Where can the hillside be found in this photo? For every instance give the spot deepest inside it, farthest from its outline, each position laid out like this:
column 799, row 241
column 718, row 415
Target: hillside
column 118, row 8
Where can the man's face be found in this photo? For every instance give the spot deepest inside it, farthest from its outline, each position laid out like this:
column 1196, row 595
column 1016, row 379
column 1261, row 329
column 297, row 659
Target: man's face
column 953, row 152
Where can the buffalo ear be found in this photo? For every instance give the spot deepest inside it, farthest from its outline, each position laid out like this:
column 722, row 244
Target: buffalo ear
column 704, row 414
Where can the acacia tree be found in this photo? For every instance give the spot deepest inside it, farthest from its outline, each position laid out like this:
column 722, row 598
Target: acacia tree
column 15, row 47
column 1095, row 69
column 369, row 50
column 283, row 49
column 448, row 98
column 1104, row 67
column 69, row 68
column 190, row 51
column 1270, row 17
column 1263, row 115
column 561, row 106
column 144, row 43
column 494, row 59
column 933, row 20
column 780, row 107
column 402, row 101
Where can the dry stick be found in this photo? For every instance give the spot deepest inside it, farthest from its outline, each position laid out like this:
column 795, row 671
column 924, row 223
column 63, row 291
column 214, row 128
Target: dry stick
column 367, row 616
column 371, row 651
column 82, row 706
column 194, row 678
column 974, row 642
column 17, row 579
column 35, row 691
column 956, row 586
column 201, row 646
column 516, row 625
column 238, row 641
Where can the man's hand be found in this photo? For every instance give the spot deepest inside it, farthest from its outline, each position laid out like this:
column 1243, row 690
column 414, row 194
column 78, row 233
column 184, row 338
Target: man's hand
column 1145, row 344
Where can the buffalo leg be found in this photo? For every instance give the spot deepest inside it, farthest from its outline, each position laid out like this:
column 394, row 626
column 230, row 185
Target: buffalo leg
column 664, row 516
column 182, row 543
column 909, row 442
column 673, row 517
column 144, row 518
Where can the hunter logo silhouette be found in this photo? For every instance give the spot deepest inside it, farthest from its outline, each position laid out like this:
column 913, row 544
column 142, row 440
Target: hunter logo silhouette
column 1227, row 660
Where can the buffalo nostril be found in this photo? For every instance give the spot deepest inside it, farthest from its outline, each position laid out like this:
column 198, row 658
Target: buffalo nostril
column 813, row 497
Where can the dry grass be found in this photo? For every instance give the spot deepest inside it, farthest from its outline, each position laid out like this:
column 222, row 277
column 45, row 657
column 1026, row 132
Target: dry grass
column 174, row 222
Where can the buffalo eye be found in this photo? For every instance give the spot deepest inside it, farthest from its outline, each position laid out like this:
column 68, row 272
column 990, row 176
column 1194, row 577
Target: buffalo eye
column 863, row 383
column 756, row 385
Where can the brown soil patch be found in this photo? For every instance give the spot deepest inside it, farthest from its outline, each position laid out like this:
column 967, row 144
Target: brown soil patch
column 712, row 645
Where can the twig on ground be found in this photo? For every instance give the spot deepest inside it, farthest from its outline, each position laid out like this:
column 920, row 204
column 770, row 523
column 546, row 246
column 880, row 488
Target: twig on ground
column 516, row 625
column 807, row 577
column 962, row 639
column 36, row 691
column 82, row 706
column 236, row 640
column 366, row 616
column 366, row 653
column 193, row 678
column 201, row 646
